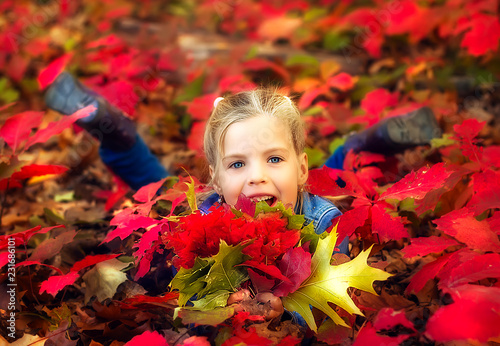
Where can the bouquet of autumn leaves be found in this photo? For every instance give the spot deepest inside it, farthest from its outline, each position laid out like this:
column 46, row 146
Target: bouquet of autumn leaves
column 262, row 249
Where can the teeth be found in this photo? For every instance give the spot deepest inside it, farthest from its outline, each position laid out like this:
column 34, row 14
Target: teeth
column 262, row 198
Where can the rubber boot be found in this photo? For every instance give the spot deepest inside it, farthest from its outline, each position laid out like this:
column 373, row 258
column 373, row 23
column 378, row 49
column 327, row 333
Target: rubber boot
column 396, row 134
column 121, row 148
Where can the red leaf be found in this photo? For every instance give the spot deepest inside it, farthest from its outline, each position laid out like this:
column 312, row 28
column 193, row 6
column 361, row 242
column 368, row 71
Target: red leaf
column 91, row 260
column 147, row 338
column 56, row 283
column 136, row 301
column 424, row 246
column 478, row 268
column 483, row 35
column 472, row 315
column 387, row 226
column 25, row 236
column 201, row 107
column 323, row 182
column 417, row 184
column 146, row 241
column 120, row 94
column 245, row 205
column 466, row 134
column 426, row 273
column 377, row 100
column 295, row 265
column 107, row 41
column 343, row 81
column 260, row 282
column 351, row 220
column 462, row 225
column 486, row 191
column 270, row 270
column 195, row 139
column 368, row 336
column 56, row 127
column 18, row 127
column 146, row 193
column 196, row 341
column 388, row 318
column 50, row 73
column 17, row 68
column 51, row 247
column 28, row 172
column 494, row 222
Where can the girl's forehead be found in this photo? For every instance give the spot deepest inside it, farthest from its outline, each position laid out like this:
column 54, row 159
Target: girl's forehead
column 260, row 130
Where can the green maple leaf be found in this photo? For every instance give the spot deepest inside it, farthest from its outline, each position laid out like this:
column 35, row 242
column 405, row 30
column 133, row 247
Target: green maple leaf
column 212, row 279
column 329, row 283
column 224, row 273
column 190, row 281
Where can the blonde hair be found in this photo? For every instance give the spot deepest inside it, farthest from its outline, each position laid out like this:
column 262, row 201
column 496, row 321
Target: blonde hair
column 245, row 105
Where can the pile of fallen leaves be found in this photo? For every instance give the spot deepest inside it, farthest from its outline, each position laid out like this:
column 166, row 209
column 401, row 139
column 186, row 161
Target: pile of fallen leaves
column 90, row 262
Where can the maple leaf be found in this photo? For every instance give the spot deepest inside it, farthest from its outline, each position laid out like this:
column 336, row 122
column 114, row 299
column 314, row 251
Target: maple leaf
column 50, row 73
column 17, row 128
column 463, row 226
column 57, row 282
column 368, row 336
column 426, row 273
column 224, row 274
column 56, row 127
column 29, row 171
column 343, row 81
column 148, row 338
column 466, row 134
column 139, row 301
column 388, row 318
column 51, row 247
column 385, row 225
column 25, row 236
column 474, row 269
column 201, row 107
column 486, row 187
column 427, row 245
column 296, row 266
column 377, row 100
column 483, row 35
column 190, row 281
column 473, row 315
column 126, row 224
column 418, row 184
column 329, row 283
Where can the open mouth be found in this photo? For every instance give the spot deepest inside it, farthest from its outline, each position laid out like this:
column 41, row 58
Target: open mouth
column 270, row 200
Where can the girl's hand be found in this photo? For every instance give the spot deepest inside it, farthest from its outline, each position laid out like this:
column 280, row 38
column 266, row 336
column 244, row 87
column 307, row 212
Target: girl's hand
column 265, row 304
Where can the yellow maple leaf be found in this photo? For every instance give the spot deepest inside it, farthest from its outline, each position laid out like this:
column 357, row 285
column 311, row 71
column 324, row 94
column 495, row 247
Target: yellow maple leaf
column 329, row 283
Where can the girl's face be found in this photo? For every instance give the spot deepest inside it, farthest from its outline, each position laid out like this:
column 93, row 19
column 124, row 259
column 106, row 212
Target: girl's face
column 260, row 162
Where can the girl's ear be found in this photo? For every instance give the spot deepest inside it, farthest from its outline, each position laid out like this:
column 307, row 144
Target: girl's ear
column 303, row 169
column 214, row 181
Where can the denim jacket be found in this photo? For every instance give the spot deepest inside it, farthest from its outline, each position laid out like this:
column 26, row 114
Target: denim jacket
column 315, row 209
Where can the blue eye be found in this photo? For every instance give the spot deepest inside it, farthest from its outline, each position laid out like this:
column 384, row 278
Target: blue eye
column 236, row 165
column 275, row 159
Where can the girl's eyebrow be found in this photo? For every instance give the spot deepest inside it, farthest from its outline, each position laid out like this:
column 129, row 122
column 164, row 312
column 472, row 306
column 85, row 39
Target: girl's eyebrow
column 281, row 150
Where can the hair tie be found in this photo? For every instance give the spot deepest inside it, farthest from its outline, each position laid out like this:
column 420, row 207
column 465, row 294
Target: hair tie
column 217, row 100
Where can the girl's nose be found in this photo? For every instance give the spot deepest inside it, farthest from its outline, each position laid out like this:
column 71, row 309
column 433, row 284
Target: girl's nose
column 258, row 175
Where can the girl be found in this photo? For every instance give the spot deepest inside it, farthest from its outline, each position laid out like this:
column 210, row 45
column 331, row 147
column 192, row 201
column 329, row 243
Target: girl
column 254, row 144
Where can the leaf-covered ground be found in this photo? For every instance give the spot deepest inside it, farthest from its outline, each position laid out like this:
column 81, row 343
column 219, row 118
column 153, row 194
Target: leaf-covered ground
column 89, row 271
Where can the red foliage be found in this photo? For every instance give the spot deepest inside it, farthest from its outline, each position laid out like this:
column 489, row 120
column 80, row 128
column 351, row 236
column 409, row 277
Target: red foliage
column 296, row 266
column 50, row 73
column 472, row 315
